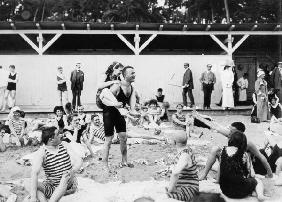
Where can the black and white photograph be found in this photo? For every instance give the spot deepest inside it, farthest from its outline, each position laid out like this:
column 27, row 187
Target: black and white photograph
column 140, row 100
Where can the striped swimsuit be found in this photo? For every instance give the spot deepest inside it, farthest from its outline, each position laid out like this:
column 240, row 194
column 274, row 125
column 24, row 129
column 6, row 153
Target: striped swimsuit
column 187, row 185
column 54, row 166
column 17, row 125
column 98, row 132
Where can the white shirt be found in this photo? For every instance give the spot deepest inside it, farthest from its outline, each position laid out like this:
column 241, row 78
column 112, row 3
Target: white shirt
column 4, row 75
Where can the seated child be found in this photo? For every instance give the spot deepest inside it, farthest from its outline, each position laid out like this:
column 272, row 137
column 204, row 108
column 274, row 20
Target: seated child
column 17, row 128
column 275, row 108
column 154, row 113
column 236, row 179
column 160, row 97
column 2, row 143
column 187, row 122
column 184, row 182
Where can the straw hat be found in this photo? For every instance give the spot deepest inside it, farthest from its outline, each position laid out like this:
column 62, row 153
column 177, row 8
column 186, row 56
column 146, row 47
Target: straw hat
column 260, row 72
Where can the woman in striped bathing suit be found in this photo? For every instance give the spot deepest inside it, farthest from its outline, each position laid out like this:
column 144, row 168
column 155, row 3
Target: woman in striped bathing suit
column 54, row 158
column 184, row 182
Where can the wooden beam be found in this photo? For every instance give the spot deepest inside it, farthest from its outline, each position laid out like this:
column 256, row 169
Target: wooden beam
column 219, row 43
column 51, row 42
column 146, row 43
column 40, row 42
column 129, row 45
column 142, row 32
column 30, row 42
column 237, row 45
column 137, row 44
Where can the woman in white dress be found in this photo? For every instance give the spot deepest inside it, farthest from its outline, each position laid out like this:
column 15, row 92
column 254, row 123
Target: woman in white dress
column 227, row 79
column 243, row 86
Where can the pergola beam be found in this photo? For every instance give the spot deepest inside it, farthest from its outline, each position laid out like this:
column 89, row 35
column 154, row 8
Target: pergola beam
column 129, row 45
column 141, row 32
column 219, row 43
column 51, row 42
column 146, row 43
column 30, row 42
column 239, row 42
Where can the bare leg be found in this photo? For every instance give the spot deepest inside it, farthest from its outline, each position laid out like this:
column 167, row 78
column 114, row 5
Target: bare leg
column 107, row 146
column 41, row 197
column 13, row 96
column 7, row 92
column 59, row 192
column 146, row 137
column 259, row 190
column 211, row 160
column 2, row 145
column 60, row 96
column 123, row 146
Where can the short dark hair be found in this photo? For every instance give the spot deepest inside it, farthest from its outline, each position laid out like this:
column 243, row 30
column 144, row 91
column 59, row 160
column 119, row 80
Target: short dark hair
column 239, row 140
column 239, row 126
column 58, row 108
column 181, row 105
column 160, row 90
column 48, row 133
column 22, row 114
column 68, row 106
column 93, row 116
column 12, row 66
column 125, row 69
column 70, row 118
column 153, row 101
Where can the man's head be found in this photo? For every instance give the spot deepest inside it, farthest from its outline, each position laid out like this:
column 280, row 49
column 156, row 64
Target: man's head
column 261, row 74
column 179, row 138
column 78, row 65
column 237, row 126
column 160, row 91
column 186, row 65
column 74, row 120
column 60, row 69
column 128, row 74
column 179, row 108
column 51, row 136
column 209, row 66
column 12, row 68
column 95, row 119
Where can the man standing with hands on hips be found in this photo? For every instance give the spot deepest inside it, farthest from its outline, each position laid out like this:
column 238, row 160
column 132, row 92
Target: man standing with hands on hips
column 77, row 79
column 188, row 86
column 208, row 80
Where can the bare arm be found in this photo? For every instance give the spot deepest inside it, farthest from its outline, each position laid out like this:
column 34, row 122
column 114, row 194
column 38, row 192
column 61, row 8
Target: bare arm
column 253, row 149
column 36, row 166
column 183, row 161
column 104, row 84
column 213, row 125
column 177, row 121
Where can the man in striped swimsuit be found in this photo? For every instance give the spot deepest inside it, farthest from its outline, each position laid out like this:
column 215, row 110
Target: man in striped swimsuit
column 55, row 159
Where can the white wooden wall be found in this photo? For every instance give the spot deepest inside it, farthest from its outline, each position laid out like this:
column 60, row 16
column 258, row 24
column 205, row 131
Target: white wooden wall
column 37, row 75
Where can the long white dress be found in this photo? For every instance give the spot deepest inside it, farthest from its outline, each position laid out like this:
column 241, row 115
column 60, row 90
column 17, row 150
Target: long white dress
column 243, row 84
column 227, row 79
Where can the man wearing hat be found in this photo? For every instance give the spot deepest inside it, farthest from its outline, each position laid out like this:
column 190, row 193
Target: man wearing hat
column 208, row 80
column 275, row 80
column 188, row 86
column 77, row 79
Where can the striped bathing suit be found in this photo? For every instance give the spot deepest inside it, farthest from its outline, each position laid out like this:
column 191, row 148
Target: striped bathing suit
column 17, row 125
column 98, row 132
column 54, row 166
column 187, row 185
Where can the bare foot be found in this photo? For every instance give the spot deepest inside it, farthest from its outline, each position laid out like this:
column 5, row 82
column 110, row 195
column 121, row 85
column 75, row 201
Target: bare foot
column 263, row 198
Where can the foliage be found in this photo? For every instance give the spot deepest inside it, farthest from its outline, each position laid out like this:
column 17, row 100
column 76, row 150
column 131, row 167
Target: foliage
column 176, row 11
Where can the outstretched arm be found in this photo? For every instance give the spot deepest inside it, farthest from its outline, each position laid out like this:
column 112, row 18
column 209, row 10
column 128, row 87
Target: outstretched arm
column 253, row 149
column 213, row 125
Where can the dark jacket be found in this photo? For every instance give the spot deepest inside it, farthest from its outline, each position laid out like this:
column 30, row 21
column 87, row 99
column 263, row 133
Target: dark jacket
column 188, row 79
column 77, row 79
column 275, row 78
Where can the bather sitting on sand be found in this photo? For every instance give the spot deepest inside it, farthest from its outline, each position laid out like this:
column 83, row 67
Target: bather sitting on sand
column 226, row 131
column 184, row 182
column 59, row 166
column 187, row 122
column 95, row 132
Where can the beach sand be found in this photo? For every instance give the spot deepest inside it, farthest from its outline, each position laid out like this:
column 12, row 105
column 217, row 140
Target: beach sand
column 150, row 161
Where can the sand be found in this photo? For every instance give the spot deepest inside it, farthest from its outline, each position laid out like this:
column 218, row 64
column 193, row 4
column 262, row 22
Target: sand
column 148, row 177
